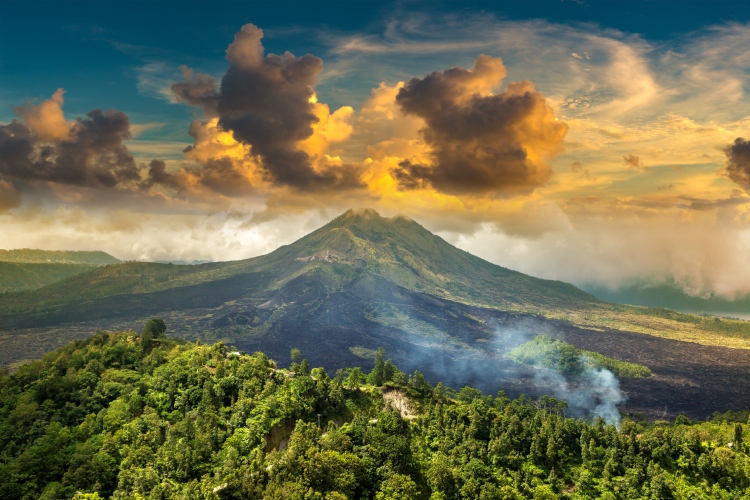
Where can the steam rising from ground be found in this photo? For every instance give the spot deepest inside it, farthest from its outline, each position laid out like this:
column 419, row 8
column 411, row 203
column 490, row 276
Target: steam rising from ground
column 594, row 393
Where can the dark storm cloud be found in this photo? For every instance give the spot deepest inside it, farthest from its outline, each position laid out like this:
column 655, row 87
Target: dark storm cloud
column 157, row 174
column 92, row 155
column 738, row 162
column 265, row 101
column 481, row 140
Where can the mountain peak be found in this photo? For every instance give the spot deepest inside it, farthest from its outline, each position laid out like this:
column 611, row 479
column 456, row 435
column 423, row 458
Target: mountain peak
column 361, row 213
column 364, row 214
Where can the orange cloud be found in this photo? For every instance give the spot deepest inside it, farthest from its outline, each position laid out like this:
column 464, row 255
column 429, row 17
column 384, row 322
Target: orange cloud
column 9, row 197
column 47, row 120
column 480, row 141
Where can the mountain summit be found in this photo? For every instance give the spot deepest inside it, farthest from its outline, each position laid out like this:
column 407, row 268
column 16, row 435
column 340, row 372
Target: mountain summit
column 405, row 253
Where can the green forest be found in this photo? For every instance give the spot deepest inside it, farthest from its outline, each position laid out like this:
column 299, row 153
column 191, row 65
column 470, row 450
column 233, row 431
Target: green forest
column 27, row 269
column 560, row 356
column 144, row 416
column 31, row 255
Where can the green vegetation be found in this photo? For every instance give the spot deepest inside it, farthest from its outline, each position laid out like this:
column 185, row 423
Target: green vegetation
column 723, row 326
column 670, row 295
column 545, row 351
column 144, row 416
column 26, row 269
column 18, row 276
column 28, row 255
column 362, row 352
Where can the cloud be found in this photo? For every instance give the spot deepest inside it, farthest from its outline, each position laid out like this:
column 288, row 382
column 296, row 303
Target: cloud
column 87, row 152
column 196, row 90
column 9, row 196
column 136, row 129
column 738, row 162
column 633, row 161
column 47, row 120
column 157, row 174
column 268, row 103
column 701, row 251
column 481, row 141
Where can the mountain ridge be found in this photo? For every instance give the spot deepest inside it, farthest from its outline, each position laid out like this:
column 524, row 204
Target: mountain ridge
column 397, row 248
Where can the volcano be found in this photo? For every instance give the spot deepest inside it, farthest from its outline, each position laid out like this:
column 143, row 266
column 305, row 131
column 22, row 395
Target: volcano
column 364, row 281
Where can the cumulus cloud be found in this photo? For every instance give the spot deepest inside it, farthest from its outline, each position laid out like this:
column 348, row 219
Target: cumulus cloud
column 157, row 174
column 738, row 162
column 89, row 152
column 268, row 103
column 481, row 141
column 47, row 120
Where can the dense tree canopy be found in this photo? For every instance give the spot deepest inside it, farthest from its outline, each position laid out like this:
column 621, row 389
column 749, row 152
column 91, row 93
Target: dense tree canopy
column 145, row 416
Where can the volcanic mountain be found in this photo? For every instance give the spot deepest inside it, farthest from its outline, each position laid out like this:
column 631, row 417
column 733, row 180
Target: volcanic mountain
column 364, row 281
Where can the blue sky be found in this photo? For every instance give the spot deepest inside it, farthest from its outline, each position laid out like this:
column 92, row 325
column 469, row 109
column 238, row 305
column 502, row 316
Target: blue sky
column 94, row 49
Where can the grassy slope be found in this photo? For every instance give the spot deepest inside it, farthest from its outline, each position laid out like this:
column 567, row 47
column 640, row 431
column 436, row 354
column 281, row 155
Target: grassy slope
column 21, row 276
column 565, row 358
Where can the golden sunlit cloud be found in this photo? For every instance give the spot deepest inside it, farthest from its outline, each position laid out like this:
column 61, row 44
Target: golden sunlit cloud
column 47, row 120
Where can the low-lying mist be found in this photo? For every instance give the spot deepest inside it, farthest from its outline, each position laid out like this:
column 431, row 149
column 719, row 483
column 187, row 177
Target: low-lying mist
column 593, row 392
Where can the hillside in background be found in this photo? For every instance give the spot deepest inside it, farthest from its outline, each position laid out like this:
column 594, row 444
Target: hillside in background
column 28, row 255
column 362, row 282
column 26, row 269
column 671, row 296
column 21, row 277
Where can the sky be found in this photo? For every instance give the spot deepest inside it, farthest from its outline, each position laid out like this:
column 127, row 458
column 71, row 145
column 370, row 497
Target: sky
column 596, row 142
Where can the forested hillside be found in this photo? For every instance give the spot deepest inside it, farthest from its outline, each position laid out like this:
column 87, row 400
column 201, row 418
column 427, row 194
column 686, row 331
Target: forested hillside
column 21, row 276
column 27, row 269
column 144, row 416
column 30, row 255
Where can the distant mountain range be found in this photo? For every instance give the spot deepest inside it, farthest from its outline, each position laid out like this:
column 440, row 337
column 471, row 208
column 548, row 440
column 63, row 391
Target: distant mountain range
column 33, row 256
column 364, row 281
column 671, row 296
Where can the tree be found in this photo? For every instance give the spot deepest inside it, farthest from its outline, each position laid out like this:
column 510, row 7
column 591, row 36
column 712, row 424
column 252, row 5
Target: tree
column 354, row 378
column 681, row 420
column 738, row 436
column 296, row 355
column 397, row 487
column 304, row 367
column 377, row 375
column 153, row 329
column 156, row 327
